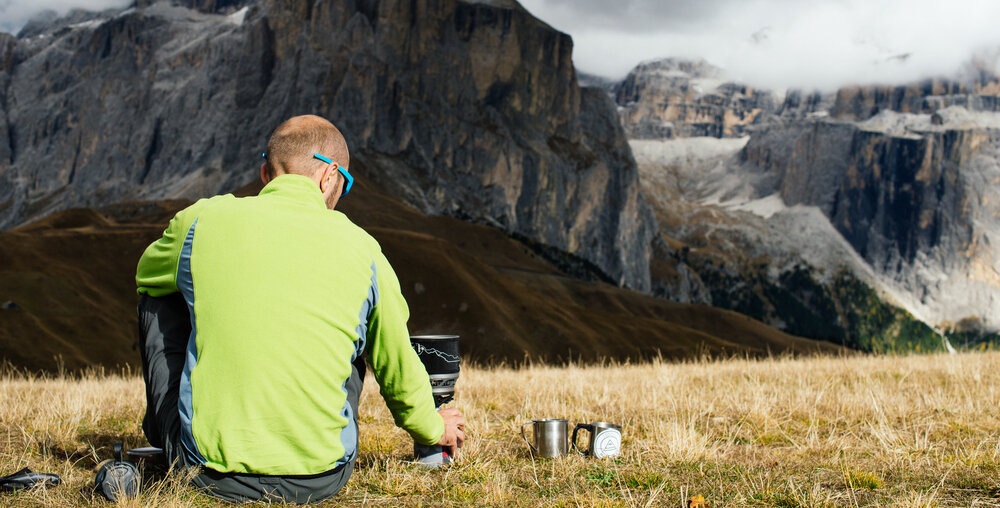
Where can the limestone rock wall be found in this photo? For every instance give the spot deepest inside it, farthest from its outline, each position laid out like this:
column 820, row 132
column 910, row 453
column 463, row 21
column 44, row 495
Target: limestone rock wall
column 978, row 92
column 882, row 191
column 891, row 185
column 459, row 107
column 912, row 196
column 675, row 98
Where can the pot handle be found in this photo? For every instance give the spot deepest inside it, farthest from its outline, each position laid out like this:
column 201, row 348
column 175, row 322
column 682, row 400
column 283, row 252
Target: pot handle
column 585, row 426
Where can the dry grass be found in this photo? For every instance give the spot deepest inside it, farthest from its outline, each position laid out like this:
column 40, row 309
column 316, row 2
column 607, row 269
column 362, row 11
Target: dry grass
column 863, row 431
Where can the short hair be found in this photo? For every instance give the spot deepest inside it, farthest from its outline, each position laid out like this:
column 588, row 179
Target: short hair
column 292, row 145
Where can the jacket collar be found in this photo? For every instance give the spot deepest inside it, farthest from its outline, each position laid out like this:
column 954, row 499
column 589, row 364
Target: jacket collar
column 297, row 187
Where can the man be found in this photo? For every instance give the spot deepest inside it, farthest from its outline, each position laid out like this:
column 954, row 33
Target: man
column 255, row 317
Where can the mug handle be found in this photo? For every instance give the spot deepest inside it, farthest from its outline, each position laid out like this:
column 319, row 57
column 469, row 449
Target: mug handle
column 525, row 438
column 585, row 426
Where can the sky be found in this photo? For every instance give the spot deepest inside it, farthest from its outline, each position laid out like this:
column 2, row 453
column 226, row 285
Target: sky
column 820, row 44
column 809, row 44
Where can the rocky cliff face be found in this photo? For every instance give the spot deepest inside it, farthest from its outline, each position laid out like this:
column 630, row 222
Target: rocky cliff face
column 675, row 98
column 978, row 90
column 912, row 196
column 729, row 240
column 467, row 108
column 892, row 195
column 800, row 104
column 841, row 216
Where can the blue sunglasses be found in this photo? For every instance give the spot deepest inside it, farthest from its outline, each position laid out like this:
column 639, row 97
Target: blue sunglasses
column 343, row 171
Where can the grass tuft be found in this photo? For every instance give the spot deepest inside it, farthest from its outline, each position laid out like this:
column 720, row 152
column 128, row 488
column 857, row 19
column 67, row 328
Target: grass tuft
column 863, row 480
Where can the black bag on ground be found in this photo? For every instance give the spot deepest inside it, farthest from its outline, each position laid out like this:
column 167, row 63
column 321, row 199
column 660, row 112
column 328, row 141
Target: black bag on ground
column 27, row 478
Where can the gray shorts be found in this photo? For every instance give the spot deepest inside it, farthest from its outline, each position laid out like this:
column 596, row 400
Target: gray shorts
column 164, row 328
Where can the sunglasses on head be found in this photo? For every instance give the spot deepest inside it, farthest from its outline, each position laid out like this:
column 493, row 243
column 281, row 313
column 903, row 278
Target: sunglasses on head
column 342, row 169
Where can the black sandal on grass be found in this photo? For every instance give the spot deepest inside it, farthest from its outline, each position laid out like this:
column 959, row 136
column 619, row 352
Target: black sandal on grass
column 26, row 478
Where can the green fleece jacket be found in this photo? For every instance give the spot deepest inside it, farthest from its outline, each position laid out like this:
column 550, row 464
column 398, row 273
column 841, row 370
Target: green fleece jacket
column 283, row 294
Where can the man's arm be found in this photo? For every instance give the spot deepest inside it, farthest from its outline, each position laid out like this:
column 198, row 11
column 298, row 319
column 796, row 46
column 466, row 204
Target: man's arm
column 401, row 376
column 156, row 274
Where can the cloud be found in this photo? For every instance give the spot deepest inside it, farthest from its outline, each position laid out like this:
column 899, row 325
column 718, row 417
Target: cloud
column 799, row 43
column 629, row 15
column 15, row 13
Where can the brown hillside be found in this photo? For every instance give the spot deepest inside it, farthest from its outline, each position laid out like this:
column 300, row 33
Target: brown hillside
column 70, row 278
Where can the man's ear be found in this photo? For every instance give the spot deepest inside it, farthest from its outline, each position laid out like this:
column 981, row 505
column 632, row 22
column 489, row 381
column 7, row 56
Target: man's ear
column 263, row 173
column 329, row 177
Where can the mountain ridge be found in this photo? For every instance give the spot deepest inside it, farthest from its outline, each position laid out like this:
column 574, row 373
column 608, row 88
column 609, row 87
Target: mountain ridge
column 453, row 110
column 897, row 176
column 460, row 107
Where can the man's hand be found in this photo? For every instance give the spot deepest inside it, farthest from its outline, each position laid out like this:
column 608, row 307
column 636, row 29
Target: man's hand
column 454, row 430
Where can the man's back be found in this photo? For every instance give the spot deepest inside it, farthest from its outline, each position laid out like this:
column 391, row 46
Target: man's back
column 281, row 290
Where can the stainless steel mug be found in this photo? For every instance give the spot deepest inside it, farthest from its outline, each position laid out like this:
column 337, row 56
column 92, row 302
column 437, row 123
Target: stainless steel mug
column 550, row 437
column 605, row 439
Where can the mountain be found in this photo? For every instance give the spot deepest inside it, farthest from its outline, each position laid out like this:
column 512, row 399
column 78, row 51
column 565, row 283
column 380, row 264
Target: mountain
column 676, row 98
column 723, row 243
column 505, row 195
column 978, row 91
column 466, row 108
column 863, row 217
column 912, row 194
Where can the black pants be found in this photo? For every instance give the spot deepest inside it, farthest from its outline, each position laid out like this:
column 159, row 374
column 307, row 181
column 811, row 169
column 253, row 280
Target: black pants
column 164, row 329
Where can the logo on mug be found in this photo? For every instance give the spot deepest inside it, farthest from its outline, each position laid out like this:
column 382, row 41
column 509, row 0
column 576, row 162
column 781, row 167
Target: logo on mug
column 608, row 443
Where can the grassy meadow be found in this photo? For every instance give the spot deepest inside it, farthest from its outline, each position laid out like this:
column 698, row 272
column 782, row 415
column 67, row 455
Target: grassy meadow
column 828, row 431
